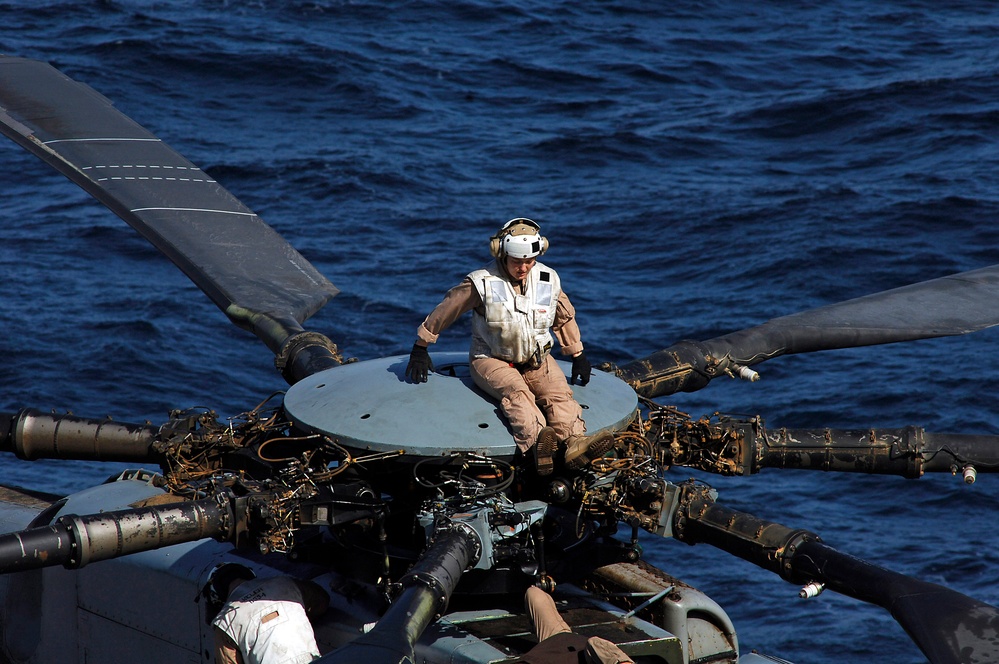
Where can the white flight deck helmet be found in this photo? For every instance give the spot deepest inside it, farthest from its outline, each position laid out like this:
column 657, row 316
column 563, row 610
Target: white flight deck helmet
column 519, row 238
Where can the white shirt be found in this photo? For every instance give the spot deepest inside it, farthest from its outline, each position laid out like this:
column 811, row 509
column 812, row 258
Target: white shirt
column 267, row 621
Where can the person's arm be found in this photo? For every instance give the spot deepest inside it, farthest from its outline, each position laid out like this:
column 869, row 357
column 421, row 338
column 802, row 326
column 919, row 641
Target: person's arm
column 569, row 339
column 566, row 328
column 460, row 299
column 226, row 650
column 457, row 301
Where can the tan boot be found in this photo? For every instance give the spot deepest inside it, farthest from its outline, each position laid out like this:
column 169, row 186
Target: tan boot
column 544, row 451
column 581, row 450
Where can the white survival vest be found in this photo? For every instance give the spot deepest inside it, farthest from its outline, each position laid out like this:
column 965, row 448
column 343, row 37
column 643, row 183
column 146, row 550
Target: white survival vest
column 267, row 621
column 514, row 327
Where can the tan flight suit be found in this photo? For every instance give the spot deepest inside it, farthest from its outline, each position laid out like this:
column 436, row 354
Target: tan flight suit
column 557, row 643
column 529, row 398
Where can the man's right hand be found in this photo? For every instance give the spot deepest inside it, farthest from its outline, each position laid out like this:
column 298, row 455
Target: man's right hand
column 419, row 364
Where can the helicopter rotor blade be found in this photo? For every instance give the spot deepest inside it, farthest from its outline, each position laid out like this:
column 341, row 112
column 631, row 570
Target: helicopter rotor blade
column 946, row 625
column 952, row 305
column 247, row 269
column 949, row 627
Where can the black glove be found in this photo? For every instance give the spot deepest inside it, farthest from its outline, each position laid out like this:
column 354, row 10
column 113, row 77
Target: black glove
column 581, row 368
column 420, row 364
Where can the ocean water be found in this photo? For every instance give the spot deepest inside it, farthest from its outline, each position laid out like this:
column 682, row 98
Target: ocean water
column 698, row 168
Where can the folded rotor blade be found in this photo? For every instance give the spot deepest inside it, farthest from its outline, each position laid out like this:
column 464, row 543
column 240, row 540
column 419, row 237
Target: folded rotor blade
column 952, row 305
column 949, row 627
column 249, row 271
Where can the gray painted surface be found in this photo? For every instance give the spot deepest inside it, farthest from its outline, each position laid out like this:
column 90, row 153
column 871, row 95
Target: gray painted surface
column 370, row 405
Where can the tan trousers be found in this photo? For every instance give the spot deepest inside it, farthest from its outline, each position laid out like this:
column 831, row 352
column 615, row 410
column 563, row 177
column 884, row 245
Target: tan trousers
column 546, row 622
column 545, row 618
column 531, row 398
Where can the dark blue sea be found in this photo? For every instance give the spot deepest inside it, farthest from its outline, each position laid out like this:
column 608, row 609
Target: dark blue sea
column 698, row 168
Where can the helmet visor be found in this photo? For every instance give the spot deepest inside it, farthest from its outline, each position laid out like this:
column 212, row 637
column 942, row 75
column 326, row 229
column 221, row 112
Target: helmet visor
column 522, row 246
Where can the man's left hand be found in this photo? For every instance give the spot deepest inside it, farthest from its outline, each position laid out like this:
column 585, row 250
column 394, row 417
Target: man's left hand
column 580, row 369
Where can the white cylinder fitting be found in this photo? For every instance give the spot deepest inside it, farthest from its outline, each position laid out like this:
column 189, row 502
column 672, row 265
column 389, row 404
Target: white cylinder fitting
column 811, row 590
column 970, row 474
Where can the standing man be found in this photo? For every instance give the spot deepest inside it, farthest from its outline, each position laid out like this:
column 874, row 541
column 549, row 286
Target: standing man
column 516, row 304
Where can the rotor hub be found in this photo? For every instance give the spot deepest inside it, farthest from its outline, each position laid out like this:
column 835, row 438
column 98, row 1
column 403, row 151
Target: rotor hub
column 371, row 406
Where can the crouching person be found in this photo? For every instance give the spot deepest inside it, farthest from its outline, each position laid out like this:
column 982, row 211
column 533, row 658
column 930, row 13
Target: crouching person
column 264, row 621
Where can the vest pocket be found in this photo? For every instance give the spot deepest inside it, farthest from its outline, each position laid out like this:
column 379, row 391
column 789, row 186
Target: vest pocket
column 543, row 294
